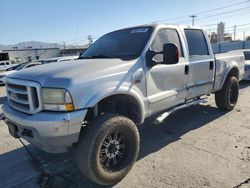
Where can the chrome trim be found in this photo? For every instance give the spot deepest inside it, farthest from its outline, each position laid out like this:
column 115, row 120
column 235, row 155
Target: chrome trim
column 23, row 95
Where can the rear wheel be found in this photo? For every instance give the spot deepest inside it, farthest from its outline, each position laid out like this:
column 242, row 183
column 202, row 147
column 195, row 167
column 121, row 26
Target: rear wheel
column 227, row 97
column 107, row 149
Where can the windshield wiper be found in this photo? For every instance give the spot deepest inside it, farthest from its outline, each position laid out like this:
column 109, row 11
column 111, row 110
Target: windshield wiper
column 97, row 57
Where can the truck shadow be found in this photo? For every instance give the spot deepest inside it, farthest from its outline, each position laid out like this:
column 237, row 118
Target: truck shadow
column 155, row 137
column 61, row 171
column 243, row 84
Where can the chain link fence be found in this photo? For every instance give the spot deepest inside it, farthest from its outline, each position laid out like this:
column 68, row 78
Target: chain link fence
column 227, row 46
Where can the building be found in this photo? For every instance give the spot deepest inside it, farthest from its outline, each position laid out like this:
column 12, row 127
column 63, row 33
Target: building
column 31, row 54
column 72, row 51
column 221, row 31
column 228, row 37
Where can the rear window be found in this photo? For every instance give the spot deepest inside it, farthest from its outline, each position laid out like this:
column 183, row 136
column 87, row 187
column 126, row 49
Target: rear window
column 196, row 42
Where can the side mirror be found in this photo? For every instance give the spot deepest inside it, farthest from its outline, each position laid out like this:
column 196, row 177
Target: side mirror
column 150, row 58
column 170, row 53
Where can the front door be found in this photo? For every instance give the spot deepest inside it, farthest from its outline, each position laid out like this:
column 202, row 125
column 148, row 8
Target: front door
column 166, row 84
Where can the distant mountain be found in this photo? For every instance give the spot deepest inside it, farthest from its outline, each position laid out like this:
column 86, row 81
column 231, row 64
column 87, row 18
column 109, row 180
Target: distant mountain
column 37, row 44
column 2, row 47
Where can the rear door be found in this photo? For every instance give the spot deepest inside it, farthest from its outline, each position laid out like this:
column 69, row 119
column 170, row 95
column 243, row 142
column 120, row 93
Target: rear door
column 201, row 63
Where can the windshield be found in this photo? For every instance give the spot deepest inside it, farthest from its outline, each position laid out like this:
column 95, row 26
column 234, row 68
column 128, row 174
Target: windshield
column 20, row 67
column 124, row 44
column 14, row 67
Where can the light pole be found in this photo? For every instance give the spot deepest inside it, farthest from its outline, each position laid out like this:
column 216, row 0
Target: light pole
column 193, row 17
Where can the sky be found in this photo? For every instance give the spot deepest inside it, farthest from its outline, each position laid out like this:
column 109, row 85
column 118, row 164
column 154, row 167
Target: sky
column 71, row 21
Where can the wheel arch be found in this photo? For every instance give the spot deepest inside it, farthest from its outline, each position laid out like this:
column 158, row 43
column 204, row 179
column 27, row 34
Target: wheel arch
column 232, row 71
column 128, row 98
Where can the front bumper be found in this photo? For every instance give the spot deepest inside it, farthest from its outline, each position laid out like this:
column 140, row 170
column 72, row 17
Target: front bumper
column 53, row 132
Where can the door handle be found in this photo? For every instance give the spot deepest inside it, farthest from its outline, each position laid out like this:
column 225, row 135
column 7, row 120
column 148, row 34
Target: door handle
column 211, row 65
column 186, row 69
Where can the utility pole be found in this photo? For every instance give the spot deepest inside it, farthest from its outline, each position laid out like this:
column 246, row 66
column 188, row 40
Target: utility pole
column 244, row 35
column 235, row 32
column 64, row 45
column 209, row 32
column 193, row 17
column 90, row 39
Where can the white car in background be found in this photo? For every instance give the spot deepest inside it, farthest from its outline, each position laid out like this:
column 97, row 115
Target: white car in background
column 4, row 65
column 16, row 68
column 247, row 65
column 58, row 59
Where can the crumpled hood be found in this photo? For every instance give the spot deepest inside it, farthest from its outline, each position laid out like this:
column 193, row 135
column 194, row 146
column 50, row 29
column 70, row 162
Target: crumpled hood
column 63, row 74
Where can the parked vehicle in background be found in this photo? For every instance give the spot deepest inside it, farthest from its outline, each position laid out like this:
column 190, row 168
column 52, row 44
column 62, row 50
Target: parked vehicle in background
column 247, row 65
column 94, row 103
column 5, row 62
column 58, row 59
column 16, row 68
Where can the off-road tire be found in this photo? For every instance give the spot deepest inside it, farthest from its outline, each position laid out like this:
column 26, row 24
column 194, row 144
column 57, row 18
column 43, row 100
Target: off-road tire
column 88, row 150
column 227, row 97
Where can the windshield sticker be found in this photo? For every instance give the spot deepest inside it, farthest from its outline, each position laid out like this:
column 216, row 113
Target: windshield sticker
column 140, row 30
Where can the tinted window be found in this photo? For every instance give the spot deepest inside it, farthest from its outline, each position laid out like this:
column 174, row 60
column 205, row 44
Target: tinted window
column 125, row 44
column 165, row 36
column 30, row 66
column 197, row 44
column 12, row 68
column 247, row 55
column 21, row 66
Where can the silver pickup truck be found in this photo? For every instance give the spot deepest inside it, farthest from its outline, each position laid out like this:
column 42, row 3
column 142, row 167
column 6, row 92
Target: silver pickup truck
column 94, row 104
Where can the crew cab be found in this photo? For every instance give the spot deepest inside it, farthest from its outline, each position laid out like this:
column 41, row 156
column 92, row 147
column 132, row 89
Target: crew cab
column 94, row 104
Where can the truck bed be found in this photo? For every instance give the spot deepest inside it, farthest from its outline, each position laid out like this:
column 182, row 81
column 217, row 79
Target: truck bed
column 224, row 63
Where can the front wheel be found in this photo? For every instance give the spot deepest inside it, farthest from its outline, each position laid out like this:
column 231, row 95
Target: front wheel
column 107, row 149
column 227, row 97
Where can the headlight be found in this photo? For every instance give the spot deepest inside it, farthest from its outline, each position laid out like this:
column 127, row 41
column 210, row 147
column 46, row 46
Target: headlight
column 57, row 100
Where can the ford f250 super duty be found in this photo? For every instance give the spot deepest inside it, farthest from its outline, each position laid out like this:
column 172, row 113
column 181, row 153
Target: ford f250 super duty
column 94, row 104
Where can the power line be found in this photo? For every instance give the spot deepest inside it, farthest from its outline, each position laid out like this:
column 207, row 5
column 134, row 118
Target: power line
column 204, row 12
column 227, row 12
column 231, row 5
column 222, row 13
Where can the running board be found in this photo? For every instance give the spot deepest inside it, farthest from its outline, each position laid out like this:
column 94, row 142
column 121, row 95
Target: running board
column 163, row 116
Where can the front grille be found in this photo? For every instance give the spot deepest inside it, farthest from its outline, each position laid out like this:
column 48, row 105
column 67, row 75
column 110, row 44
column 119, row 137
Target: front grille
column 24, row 95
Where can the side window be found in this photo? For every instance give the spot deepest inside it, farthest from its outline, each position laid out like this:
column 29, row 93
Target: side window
column 7, row 63
column 197, row 44
column 166, row 36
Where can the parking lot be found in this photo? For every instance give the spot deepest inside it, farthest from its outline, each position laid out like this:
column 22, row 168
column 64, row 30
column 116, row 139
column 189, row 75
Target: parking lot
column 196, row 147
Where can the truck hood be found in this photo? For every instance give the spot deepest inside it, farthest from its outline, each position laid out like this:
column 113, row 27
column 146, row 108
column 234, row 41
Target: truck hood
column 62, row 74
